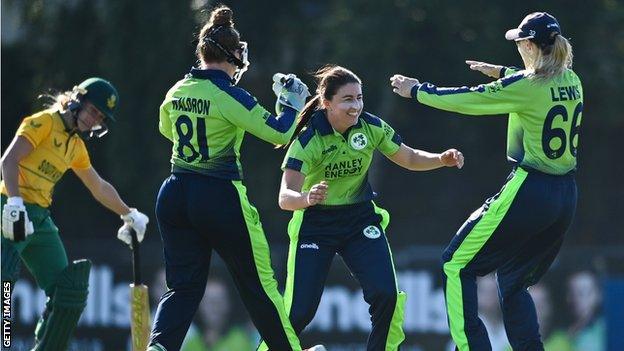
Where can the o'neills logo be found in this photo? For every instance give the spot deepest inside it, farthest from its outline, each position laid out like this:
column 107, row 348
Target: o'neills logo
column 309, row 246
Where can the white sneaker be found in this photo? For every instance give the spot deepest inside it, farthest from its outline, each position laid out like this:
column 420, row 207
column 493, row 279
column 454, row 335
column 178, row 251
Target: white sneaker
column 316, row 348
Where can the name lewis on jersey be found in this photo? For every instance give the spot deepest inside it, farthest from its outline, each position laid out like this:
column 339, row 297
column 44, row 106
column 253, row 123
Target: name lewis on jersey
column 343, row 168
column 565, row 93
column 190, row 104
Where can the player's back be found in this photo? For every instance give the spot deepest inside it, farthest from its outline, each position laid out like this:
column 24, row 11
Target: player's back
column 204, row 141
column 543, row 133
column 206, row 116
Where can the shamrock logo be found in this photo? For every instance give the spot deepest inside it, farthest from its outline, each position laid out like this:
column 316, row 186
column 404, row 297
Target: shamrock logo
column 358, row 141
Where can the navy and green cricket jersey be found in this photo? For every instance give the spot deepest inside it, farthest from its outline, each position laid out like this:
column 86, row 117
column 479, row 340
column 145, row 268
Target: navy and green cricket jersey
column 321, row 153
column 544, row 117
column 206, row 116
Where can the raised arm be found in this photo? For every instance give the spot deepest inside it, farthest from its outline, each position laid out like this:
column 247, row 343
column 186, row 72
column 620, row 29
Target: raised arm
column 244, row 111
column 419, row 160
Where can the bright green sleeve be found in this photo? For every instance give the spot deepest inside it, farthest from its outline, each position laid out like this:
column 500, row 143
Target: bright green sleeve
column 390, row 141
column 508, row 71
column 242, row 110
column 386, row 140
column 298, row 157
column 506, row 95
column 164, row 123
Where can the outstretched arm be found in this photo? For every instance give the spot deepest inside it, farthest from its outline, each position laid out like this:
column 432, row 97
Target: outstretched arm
column 490, row 70
column 419, row 160
column 505, row 95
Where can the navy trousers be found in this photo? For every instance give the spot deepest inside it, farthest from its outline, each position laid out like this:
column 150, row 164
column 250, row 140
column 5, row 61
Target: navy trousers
column 357, row 234
column 517, row 233
column 198, row 214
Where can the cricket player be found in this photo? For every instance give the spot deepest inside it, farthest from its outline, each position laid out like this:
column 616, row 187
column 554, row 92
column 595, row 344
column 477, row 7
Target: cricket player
column 45, row 146
column 325, row 184
column 203, row 205
column 518, row 231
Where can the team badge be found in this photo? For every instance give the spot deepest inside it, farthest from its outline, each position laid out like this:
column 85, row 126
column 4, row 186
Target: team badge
column 372, row 232
column 358, row 141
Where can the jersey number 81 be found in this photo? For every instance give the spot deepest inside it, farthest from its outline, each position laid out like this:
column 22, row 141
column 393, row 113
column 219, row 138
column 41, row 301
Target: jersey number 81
column 184, row 127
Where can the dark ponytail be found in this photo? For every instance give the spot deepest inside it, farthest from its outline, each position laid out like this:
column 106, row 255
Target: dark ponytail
column 330, row 79
column 310, row 107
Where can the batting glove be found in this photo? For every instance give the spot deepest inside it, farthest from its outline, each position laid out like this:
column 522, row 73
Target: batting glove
column 132, row 220
column 290, row 91
column 15, row 223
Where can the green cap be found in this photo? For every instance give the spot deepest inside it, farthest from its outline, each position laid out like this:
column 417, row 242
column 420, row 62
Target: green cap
column 102, row 94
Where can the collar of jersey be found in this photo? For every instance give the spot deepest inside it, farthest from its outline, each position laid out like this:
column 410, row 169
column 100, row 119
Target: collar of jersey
column 66, row 129
column 321, row 123
column 210, row 74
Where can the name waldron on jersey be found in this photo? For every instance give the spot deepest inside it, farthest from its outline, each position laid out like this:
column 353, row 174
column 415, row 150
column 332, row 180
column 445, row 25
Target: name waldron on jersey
column 343, row 168
column 565, row 93
column 190, row 104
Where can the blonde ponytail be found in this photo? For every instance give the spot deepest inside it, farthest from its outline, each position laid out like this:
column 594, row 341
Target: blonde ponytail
column 552, row 60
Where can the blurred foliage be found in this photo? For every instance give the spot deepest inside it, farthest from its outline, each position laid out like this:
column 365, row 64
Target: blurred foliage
column 144, row 47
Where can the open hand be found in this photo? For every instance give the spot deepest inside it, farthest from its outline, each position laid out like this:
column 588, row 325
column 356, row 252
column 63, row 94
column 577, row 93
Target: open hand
column 403, row 85
column 488, row 69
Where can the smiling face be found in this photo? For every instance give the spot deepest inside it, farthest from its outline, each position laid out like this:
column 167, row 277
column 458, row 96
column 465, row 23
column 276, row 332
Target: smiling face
column 89, row 117
column 345, row 107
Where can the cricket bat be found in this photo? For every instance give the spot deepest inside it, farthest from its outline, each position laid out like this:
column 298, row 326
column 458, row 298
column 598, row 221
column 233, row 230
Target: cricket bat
column 139, row 302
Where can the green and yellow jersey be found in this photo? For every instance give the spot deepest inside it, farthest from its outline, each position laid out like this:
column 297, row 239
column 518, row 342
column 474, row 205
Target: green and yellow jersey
column 54, row 151
column 321, row 153
column 544, row 117
column 206, row 117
